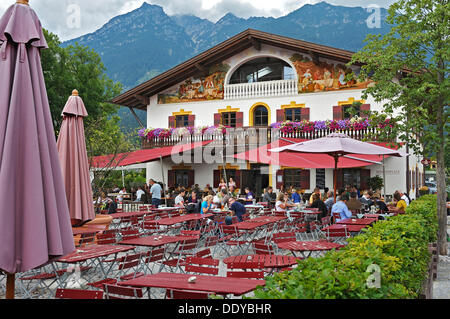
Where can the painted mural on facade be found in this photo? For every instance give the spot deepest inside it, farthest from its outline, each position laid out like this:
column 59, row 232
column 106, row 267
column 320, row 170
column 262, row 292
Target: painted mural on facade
column 206, row 88
column 323, row 76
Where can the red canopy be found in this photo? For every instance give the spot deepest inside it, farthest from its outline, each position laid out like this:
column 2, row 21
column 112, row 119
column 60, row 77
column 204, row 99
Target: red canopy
column 142, row 156
column 304, row 160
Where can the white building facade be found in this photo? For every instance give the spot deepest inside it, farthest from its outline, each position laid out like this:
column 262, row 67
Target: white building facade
column 271, row 79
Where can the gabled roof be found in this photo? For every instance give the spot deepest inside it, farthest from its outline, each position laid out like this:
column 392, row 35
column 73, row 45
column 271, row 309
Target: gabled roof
column 138, row 97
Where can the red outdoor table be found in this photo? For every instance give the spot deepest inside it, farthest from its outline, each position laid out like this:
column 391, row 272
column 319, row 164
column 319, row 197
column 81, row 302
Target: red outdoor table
column 154, row 241
column 129, row 214
column 213, row 284
column 84, row 230
column 350, row 228
column 354, row 221
column 269, row 261
column 94, row 254
column 309, row 246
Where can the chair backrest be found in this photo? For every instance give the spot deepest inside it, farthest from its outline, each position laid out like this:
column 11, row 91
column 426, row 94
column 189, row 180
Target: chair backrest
column 301, row 228
column 129, row 261
column 105, row 239
column 335, row 216
column 121, row 292
column 280, row 213
column 156, row 255
column 251, row 270
column 211, row 241
column 229, row 229
column 325, row 220
column 143, row 208
column 188, row 244
column 283, row 237
column 185, row 294
column 297, row 215
column 87, row 238
column 78, row 294
column 199, row 265
column 194, row 233
column 333, row 233
column 262, row 248
column 130, row 234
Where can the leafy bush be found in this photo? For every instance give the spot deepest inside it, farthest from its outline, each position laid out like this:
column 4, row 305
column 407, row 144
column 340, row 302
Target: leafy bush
column 399, row 246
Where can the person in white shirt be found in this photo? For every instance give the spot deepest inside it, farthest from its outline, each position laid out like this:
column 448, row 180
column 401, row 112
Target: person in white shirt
column 122, row 191
column 280, row 204
column 139, row 194
column 404, row 197
column 179, row 200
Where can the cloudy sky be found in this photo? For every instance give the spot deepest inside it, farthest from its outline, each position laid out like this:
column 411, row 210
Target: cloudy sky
column 61, row 16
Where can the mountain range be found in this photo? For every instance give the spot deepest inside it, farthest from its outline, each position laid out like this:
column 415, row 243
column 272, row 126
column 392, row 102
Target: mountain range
column 145, row 42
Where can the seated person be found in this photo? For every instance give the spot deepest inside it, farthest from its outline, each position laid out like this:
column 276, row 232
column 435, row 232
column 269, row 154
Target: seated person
column 193, row 203
column 105, row 203
column 206, row 204
column 354, row 204
column 139, row 194
column 236, row 209
column 248, row 195
column 269, row 196
column 295, row 198
column 341, row 208
column 330, row 200
column 280, row 205
column 179, row 200
column 381, row 204
column 316, row 191
column 400, row 204
column 318, row 203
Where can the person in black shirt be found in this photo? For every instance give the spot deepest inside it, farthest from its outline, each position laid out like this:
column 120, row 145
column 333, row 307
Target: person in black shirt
column 236, row 208
column 318, row 203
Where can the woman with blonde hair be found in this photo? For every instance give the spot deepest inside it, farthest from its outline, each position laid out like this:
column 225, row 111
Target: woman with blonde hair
column 206, row 204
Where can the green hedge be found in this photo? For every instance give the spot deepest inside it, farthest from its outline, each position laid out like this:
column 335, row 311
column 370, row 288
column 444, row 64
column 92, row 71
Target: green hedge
column 399, row 246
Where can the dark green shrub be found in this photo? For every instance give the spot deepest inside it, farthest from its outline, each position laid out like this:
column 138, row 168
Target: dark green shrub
column 399, row 246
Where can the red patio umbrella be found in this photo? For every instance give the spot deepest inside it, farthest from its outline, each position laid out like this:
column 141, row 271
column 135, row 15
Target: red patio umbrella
column 337, row 145
column 74, row 161
column 34, row 220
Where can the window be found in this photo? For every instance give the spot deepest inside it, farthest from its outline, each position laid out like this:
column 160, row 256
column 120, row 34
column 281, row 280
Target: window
column 228, row 119
column 320, row 178
column 294, row 114
column 260, row 116
column 182, row 178
column 262, row 69
column 182, row 120
column 292, row 177
column 348, row 111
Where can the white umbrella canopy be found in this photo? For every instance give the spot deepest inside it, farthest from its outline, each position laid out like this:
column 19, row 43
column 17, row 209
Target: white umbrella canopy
column 337, row 145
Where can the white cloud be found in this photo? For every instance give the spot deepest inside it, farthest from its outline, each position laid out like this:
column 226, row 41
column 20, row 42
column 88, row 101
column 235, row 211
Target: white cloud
column 94, row 14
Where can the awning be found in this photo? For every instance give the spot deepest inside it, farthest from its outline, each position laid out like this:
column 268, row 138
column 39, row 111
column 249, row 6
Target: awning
column 142, row 156
column 304, row 160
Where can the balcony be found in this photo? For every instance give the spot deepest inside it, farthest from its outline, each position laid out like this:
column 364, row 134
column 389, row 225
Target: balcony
column 260, row 89
column 253, row 137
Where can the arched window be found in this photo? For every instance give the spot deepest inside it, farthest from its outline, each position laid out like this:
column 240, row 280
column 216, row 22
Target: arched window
column 263, row 69
column 260, row 116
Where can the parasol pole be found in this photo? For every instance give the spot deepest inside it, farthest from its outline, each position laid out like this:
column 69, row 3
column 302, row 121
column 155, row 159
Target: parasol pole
column 163, row 179
column 336, row 158
column 10, row 286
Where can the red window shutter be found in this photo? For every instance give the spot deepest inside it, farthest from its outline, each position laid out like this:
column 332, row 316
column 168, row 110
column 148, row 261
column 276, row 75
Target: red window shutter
column 364, row 178
column 170, row 178
column 238, row 178
column 279, row 178
column 280, row 115
column 364, row 110
column 305, row 179
column 191, row 120
column 305, row 114
column 239, row 119
column 216, row 178
column 337, row 112
column 191, row 178
column 171, row 121
column 217, row 118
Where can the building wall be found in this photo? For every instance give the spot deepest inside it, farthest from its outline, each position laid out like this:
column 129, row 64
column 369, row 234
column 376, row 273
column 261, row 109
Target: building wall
column 321, row 108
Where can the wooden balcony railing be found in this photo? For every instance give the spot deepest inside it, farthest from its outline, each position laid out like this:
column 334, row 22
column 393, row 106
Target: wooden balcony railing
column 254, row 136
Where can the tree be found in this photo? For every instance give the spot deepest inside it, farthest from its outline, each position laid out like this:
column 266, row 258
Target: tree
column 410, row 68
column 79, row 67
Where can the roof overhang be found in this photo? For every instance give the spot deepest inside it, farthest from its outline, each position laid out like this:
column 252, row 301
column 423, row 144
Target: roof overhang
column 139, row 96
